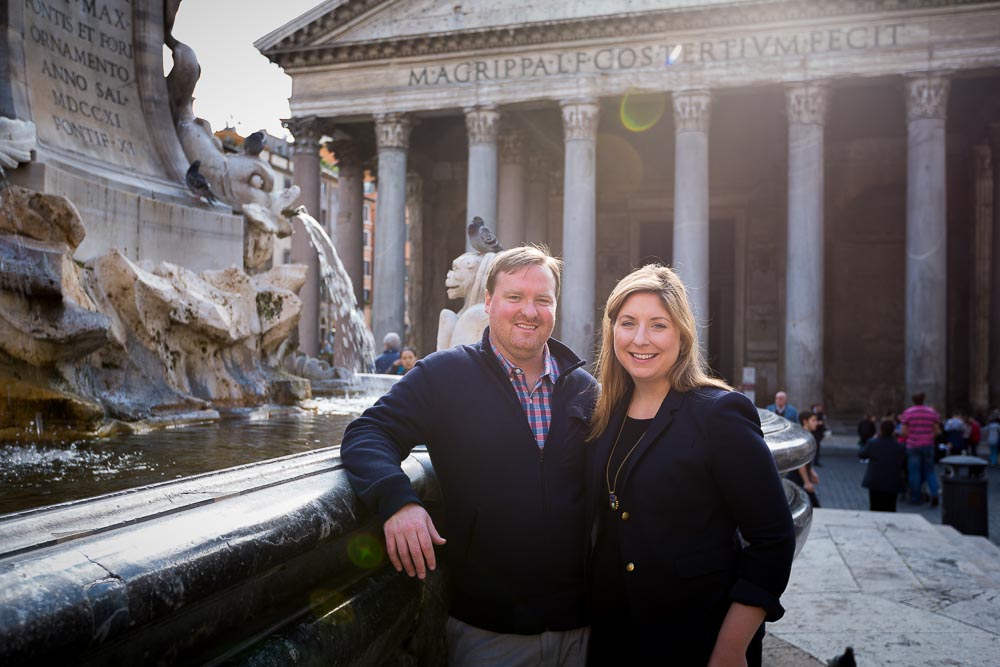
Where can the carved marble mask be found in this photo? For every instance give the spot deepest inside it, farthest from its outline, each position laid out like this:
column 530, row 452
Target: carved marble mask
column 462, row 275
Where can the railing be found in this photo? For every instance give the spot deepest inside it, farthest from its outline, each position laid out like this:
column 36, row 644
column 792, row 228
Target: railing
column 272, row 563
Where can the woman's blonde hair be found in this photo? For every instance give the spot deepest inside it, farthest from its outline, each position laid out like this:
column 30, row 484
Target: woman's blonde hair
column 690, row 370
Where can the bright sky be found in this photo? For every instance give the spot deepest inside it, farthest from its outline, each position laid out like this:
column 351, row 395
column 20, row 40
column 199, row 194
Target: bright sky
column 238, row 85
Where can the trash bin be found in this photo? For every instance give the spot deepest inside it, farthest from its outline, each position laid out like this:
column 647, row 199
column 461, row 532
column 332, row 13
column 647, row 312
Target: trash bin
column 963, row 490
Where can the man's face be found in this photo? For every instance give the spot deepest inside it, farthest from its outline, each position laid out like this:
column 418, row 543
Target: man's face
column 522, row 310
column 462, row 275
column 780, row 399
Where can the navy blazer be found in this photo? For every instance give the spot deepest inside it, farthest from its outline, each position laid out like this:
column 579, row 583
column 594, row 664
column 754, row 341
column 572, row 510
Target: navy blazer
column 701, row 472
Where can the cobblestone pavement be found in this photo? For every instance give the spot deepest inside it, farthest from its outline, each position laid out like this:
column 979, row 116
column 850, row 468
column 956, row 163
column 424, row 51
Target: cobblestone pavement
column 840, row 484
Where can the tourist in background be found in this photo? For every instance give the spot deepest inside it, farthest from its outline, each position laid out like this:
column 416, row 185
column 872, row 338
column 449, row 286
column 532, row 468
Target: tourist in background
column 390, row 353
column 407, row 360
column 867, row 429
column 920, row 426
column 504, row 421
column 820, row 432
column 992, row 434
column 678, row 464
column 884, row 473
column 783, row 408
column 806, row 476
column 955, row 430
column 973, row 434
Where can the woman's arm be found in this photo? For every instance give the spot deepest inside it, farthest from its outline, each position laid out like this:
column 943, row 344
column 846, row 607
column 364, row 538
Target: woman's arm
column 737, row 630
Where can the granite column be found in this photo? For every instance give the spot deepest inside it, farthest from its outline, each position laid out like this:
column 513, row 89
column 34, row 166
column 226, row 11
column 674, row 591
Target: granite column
column 926, row 244
column 692, row 109
column 804, row 264
column 511, row 199
column 481, row 198
column 349, row 232
column 307, row 132
column 579, row 238
column 392, row 136
column 415, row 284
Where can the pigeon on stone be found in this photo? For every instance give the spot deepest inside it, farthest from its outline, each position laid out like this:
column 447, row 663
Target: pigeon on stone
column 198, row 184
column 254, row 144
column 845, row 660
column 483, row 240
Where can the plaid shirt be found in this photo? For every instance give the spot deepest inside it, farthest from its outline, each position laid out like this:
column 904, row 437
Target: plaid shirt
column 536, row 401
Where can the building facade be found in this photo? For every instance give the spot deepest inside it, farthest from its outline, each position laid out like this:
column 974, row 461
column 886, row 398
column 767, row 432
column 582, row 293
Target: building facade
column 820, row 174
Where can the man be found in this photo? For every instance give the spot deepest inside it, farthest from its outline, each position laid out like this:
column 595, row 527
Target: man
column 782, row 408
column 820, row 431
column 921, row 424
column 390, row 352
column 805, row 476
column 504, row 421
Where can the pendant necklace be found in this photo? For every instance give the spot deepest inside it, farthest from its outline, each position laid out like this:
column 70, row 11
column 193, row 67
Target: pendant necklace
column 613, row 484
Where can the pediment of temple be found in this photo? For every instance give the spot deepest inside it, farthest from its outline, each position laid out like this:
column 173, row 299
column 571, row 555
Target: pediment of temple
column 342, row 31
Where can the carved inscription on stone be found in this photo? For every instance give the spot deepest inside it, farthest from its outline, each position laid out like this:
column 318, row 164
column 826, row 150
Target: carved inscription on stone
column 82, row 84
column 679, row 54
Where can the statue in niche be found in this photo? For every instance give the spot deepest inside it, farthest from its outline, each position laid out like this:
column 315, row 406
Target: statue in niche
column 467, row 280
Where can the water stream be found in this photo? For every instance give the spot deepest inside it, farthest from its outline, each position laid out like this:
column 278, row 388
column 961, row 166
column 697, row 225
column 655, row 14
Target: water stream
column 354, row 347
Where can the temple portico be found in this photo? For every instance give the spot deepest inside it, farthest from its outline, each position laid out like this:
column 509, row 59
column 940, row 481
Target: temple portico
column 812, row 179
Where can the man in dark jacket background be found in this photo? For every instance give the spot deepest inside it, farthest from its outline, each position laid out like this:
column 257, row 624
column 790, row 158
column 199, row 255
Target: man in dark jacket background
column 504, row 422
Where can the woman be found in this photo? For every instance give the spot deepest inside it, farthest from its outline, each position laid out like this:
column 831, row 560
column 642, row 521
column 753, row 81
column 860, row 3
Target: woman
column 676, row 466
column 884, row 474
column 407, row 360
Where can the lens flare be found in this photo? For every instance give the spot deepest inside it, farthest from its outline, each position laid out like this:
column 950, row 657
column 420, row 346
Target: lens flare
column 365, row 550
column 640, row 111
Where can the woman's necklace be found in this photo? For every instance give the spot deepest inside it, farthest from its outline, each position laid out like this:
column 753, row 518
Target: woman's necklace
column 612, row 485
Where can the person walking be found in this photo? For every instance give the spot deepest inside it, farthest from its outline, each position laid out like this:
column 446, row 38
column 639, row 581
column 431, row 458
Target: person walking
column 819, row 432
column 992, row 434
column 677, row 466
column 504, row 421
column 920, row 426
column 806, row 476
column 884, row 473
column 867, row 429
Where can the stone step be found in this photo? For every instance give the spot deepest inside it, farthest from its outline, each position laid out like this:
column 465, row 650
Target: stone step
column 974, row 550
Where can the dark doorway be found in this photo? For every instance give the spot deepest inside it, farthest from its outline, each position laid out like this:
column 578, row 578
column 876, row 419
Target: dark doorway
column 656, row 242
column 721, row 301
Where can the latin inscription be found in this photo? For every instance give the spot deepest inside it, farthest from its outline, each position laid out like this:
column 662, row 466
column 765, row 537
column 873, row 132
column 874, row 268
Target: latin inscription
column 680, row 54
column 82, row 80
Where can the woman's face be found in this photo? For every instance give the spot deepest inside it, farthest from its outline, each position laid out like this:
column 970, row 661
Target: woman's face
column 647, row 343
column 408, row 359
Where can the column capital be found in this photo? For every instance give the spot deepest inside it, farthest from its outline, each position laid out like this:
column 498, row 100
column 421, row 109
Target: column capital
column 927, row 96
column 807, row 102
column 511, row 146
column 692, row 110
column 580, row 118
column 347, row 151
column 307, row 131
column 482, row 124
column 392, row 130
column 414, row 186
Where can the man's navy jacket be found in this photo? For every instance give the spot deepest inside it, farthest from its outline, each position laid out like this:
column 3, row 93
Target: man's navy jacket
column 515, row 515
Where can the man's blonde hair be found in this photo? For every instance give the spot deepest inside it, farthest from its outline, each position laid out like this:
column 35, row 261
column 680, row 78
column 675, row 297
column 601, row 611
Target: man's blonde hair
column 522, row 257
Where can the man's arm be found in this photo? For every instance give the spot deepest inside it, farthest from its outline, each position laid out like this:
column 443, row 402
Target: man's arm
column 374, row 445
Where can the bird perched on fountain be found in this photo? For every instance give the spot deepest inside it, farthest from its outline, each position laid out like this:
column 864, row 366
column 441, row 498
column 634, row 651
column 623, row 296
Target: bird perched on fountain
column 254, row 144
column 482, row 238
column 198, row 184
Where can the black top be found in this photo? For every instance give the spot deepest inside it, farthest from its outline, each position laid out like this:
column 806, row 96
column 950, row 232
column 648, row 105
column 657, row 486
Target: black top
column 608, row 596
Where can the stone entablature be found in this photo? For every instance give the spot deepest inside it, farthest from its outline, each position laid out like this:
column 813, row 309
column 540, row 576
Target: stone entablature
column 599, row 65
